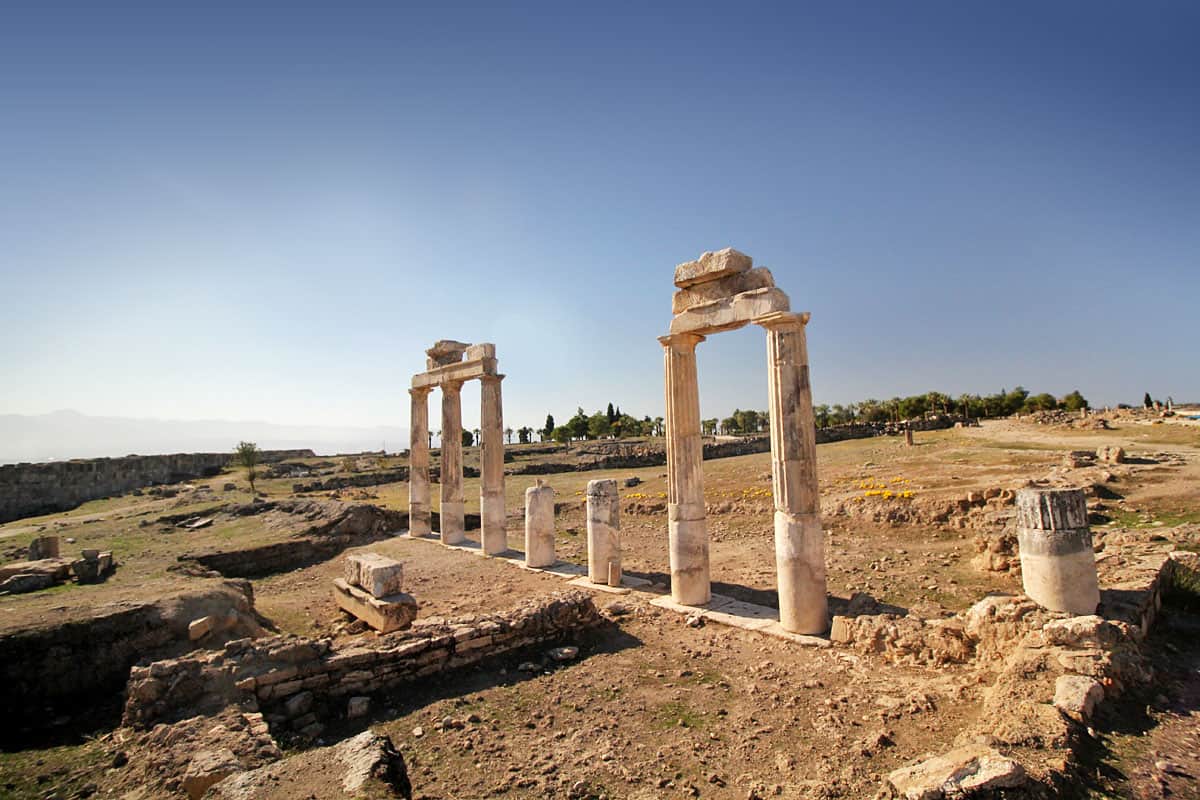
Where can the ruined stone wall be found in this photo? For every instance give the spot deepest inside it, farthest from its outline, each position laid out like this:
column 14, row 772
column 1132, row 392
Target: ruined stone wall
column 66, row 674
column 295, row 681
column 27, row 490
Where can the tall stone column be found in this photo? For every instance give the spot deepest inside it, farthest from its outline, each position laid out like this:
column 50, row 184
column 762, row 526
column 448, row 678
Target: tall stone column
column 453, row 526
column 1058, row 565
column 799, row 540
column 685, row 477
column 418, row 464
column 539, row 525
column 491, row 458
column 604, row 532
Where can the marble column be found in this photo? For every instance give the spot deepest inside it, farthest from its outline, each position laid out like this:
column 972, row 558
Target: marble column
column 452, row 524
column 685, row 477
column 418, row 464
column 1058, row 564
column 539, row 525
column 799, row 540
column 604, row 532
column 491, row 462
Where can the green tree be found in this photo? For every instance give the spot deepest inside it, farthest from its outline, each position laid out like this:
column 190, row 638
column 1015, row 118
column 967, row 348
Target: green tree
column 468, row 438
column 659, row 428
column 524, row 434
column 548, row 428
column 610, row 414
column 561, row 434
column 1074, row 401
column 1147, row 401
column 598, row 426
column 508, row 432
column 247, row 454
column 578, row 425
column 708, row 426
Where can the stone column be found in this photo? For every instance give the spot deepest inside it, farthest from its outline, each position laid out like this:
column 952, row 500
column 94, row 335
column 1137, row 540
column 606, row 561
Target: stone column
column 1058, row 565
column 685, row 476
column 453, row 526
column 491, row 463
column 908, row 437
column 604, row 532
column 539, row 525
column 418, row 464
column 799, row 540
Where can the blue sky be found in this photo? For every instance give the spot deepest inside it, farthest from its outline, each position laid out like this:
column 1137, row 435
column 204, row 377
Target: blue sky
column 213, row 211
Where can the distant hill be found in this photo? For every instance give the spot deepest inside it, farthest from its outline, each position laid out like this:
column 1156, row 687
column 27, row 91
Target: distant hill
column 68, row 434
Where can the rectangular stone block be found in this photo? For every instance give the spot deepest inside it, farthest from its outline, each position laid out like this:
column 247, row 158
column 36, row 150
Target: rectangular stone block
column 701, row 293
column 711, row 266
column 379, row 575
column 395, row 613
column 729, row 313
column 480, row 351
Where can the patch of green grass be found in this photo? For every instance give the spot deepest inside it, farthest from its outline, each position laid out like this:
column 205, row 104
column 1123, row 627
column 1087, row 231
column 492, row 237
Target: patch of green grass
column 1122, row 518
column 677, row 715
column 1183, row 590
column 53, row 771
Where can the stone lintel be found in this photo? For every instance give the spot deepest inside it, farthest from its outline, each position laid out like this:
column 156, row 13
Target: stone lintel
column 711, row 266
column 738, row 282
column 730, row 313
column 462, row 371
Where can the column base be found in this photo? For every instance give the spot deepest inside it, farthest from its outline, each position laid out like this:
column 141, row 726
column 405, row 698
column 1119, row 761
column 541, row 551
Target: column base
column 420, row 522
column 800, row 573
column 453, row 524
column 690, row 584
column 493, row 536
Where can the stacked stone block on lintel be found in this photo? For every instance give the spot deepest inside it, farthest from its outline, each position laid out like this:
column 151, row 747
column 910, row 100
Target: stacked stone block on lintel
column 720, row 292
column 371, row 591
column 375, row 573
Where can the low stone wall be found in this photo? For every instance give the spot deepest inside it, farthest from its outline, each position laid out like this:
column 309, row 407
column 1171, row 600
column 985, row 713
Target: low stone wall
column 28, row 490
column 63, row 675
column 296, row 682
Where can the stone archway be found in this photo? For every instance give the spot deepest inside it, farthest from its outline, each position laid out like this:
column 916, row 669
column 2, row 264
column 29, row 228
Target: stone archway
column 449, row 365
column 720, row 292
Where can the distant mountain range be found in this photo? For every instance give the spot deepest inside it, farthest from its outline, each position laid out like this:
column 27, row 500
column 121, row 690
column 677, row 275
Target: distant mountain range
column 63, row 435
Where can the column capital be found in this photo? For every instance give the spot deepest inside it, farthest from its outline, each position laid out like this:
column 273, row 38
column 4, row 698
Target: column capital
column 782, row 320
column 491, row 378
column 420, row 391
column 451, row 387
column 681, row 341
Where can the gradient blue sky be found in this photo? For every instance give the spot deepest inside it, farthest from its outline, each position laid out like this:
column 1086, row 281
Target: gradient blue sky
column 217, row 211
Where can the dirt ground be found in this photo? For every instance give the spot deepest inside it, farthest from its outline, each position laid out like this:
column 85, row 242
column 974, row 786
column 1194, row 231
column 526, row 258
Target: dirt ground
column 652, row 707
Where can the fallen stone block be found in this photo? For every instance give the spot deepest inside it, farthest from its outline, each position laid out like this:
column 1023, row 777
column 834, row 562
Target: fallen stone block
column 57, row 568
column 1077, row 696
column 958, row 772
column 207, row 768
column 379, row 575
column 384, row 614
column 199, row 628
column 728, row 286
column 26, row 582
column 86, row 570
column 711, row 266
column 43, row 547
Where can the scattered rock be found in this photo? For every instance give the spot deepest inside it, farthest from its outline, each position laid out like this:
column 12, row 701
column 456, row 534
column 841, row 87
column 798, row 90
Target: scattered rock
column 960, row 771
column 563, row 653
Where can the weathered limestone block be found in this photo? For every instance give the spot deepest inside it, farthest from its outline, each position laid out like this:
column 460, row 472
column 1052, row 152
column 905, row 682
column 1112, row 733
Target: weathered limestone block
column 1077, row 696
column 1058, row 565
column 58, row 569
column 24, row 582
column 730, row 313
column 374, row 573
column 383, row 614
column 477, row 352
column 493, row 536
column 539, row 525
column 199, row 628
column 956, row 773
column 86, row 570
column 686, row 527
column 419, row 508
column 711, row 266
column 453, row 527
column 207, row 768
column 604, row 532
column 43, row 547
column 445, row 352
column 1112, row 454
column 702, row 293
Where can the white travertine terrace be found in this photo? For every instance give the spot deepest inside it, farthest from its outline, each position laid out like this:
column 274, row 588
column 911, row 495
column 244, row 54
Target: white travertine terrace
column 449, row 365
column 720, row 292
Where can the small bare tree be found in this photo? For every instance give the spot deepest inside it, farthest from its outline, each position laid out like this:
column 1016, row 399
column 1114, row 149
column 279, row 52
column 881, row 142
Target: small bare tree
column 247, row 454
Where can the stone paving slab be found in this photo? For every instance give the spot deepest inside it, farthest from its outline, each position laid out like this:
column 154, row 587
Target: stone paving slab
column 739, row 614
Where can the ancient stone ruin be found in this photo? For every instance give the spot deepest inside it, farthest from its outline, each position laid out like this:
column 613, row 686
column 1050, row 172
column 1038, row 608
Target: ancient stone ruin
column 372, row 591
column 720, row 292
column 450, row 364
